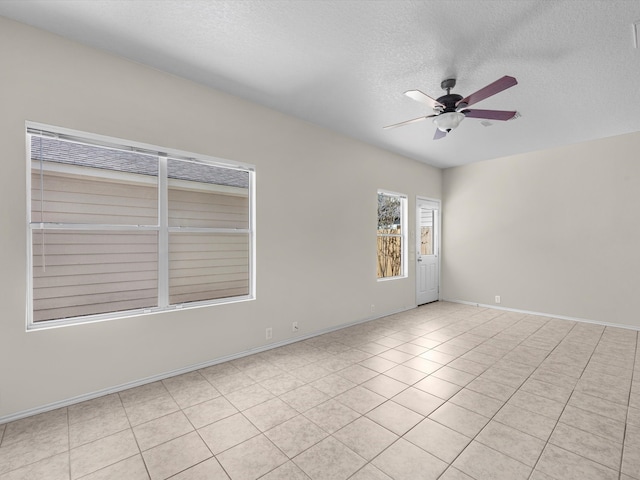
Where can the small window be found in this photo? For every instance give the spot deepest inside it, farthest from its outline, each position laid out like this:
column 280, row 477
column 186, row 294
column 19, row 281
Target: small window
column 116, row 230
column 392, row 214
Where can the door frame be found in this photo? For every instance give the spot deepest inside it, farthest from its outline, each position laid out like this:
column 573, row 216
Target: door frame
column 437, row 238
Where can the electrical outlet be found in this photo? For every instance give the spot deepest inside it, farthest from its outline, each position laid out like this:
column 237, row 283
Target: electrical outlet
column 373, row 308
column 497, row 298
column 294, row 327
column 269, row 333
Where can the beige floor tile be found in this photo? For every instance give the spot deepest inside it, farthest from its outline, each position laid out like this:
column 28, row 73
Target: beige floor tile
column 438, row 440
column 598, row 405
column 452, row 375
column 227, row 433
column 378, row 364
column 360, row 399
column 331, row 415
column 251, row 459
column 438, row 357
column 175, row 456
column 589, row 445
column 538, row 475
column 537, row 404
column 395, row 417
column 209, row 412
column 105, row 424
column 295, row 435
column 26, row 452
column 231, row 383
column 554, row 378
column 269, row 414
column 54, row 422
column 369, row 472
column 423, row 365
column 514, row 443
column 440, row 388
column 419, row 401
column 93, row 456
column 282, row 383
column 459, row 419
column 631, row 461
column 262, row 371
column 528, row 422
column 329, row 460
column 208, row 470
column 389, row 342
column 365, row 437
column 411, row 348
column 311, row 372
column 373, row 348
column 504, row 376
column 593, row 423
column 51, row 468
column 454, row 474
column 492, row 389
column 132, row 468
column 248, row 397
column 385, row 386
column 286, row 471
column 333, row 385
column 81, row 412
column 404, row 461
column 480, row 461
column 219, row 370
column 190, row 389
column 405, row 375
column 548, row 390
column 425, row 342
column 396, row 355
column 357, row 374
column 143, row 393
column 564, row 465
column 162, row 430
column 477, row 402
column 141, row 412
column 467, row 366
column 305, row 397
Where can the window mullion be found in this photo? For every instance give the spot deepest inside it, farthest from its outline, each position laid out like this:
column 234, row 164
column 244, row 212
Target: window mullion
column 163, row 233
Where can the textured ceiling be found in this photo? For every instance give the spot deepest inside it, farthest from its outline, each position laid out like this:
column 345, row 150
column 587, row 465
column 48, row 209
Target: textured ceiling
column 345, row 64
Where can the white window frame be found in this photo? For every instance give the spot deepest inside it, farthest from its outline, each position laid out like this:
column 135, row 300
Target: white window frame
column 404, row 212
column 163, row 229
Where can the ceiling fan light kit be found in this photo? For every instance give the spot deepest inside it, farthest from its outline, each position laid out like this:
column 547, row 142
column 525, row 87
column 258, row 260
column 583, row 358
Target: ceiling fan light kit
column 451, row 109
column 448, row 121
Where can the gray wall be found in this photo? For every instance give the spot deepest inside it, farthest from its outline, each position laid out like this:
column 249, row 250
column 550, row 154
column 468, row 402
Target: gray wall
column 555, row 231
column 316, row 219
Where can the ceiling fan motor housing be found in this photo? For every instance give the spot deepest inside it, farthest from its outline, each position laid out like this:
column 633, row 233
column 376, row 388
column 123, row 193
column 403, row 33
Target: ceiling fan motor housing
column 449, row 101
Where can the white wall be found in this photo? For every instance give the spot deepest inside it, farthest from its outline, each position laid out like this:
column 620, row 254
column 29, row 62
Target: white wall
column 316, row 269
column 555, row 231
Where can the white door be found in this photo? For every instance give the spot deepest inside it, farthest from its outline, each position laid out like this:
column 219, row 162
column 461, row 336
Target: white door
column 427, row 244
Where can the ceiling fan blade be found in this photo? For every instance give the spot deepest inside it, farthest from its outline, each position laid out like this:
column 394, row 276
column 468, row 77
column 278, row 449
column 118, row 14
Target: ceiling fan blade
column 439, row 134
column 418, row 96
column 491, row 89
column 490, row 114
column 407, row 122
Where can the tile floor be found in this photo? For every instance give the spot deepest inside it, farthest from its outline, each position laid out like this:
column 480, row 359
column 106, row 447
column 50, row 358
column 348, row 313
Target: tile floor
column 443, row 391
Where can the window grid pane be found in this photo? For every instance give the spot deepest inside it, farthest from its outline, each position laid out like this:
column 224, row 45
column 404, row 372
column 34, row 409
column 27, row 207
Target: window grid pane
column 96, row 231
column 390, row 235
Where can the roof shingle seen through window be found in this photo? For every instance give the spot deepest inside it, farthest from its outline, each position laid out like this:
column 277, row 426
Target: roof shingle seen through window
column 71, row 153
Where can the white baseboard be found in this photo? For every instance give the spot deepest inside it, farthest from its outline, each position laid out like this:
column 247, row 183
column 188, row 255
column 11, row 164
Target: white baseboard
column 542, row 314
column 125, row 386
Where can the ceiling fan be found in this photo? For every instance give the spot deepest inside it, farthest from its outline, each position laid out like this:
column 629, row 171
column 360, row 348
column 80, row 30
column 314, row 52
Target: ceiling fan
column 451, row 109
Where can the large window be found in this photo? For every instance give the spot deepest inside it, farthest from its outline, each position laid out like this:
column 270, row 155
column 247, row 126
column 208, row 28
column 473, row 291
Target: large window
column 392, row 238
column 120, row 229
